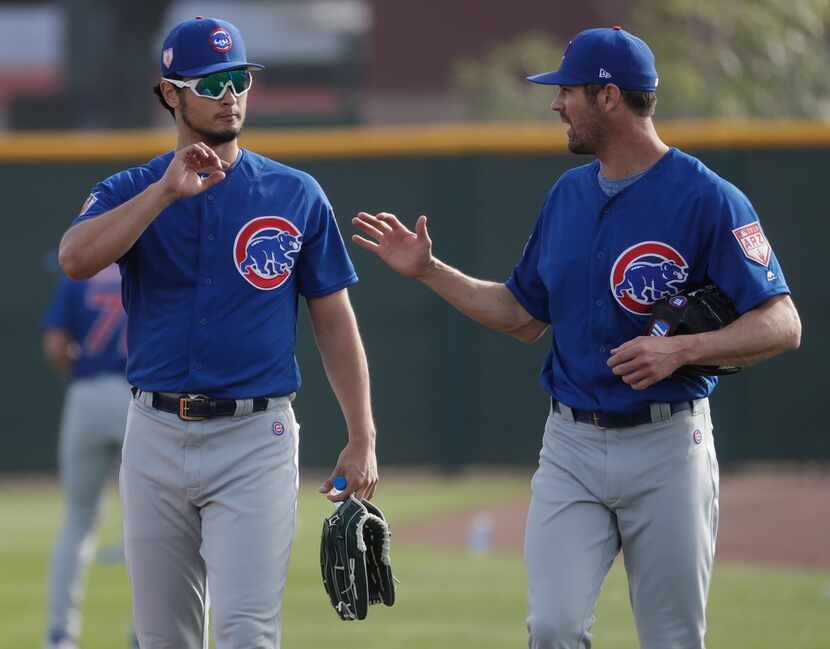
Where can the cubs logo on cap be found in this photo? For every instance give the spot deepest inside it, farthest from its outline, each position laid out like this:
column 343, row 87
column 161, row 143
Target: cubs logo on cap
column 220, row 40
column 265, row 251
column 645, row 273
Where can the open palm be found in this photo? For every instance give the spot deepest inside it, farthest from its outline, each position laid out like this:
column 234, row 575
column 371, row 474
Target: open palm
column 406, row 252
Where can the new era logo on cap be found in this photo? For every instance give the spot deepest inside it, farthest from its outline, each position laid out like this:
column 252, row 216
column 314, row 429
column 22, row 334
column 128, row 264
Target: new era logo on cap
column 604, row 74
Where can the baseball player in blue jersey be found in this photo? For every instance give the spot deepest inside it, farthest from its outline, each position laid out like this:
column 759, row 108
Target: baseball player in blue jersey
column 628, row 459
column 216, row 244
column 85, row 341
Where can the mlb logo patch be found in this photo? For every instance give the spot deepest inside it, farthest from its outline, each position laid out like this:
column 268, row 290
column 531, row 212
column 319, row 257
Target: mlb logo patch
column 753, row 243
column 167, row 57
column 659, row 328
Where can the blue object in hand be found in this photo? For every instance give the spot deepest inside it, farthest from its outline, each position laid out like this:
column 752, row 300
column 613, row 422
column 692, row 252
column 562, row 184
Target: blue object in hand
column 340, row 483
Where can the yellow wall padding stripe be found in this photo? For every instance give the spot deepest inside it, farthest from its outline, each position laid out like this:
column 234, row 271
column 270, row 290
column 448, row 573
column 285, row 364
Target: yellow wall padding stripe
column 368, row 142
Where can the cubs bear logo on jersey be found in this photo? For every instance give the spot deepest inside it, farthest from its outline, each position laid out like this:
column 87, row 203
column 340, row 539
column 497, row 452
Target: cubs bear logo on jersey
column 645, row 273
column 220, row 40
column 265, row 251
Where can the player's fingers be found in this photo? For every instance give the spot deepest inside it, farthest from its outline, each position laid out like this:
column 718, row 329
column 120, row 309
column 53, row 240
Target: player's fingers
column 635, row 378
column 198, row 153
column 626, row 345
column 392, row 221
column 208, row 157
column 628, row 367
column 421, row 228
column 624, row 353
column 645, row 383
column 204, row 150
column 370, row 490
column 364, row 243
column 212, row 179
column 368, row 227
column 378, row 223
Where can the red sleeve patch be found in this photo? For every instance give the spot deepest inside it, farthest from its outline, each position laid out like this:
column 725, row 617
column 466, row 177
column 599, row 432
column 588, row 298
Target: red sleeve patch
column 753, row 242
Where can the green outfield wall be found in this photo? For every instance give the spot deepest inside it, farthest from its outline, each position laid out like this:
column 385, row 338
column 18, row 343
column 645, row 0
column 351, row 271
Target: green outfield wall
column 445, row 391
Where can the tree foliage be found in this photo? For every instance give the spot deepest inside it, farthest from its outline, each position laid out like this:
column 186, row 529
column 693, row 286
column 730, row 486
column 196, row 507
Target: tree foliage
column 743, row 58
column 495, row 86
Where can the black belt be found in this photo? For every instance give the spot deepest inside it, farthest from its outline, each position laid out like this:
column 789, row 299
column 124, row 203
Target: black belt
column 620, row 419
column 199, row 407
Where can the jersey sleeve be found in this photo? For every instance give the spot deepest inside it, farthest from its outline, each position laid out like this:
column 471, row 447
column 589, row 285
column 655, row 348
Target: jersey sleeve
column 525, row 282
column 106, row 195
column 59, row 312
column 324, row 266
column 741, row 259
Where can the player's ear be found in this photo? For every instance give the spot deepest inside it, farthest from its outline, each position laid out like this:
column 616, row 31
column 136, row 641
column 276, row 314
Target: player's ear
column 170, row 93
column 610, row 97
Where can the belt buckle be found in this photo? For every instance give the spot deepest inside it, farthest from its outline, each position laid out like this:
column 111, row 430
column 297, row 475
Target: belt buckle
column 184, row 406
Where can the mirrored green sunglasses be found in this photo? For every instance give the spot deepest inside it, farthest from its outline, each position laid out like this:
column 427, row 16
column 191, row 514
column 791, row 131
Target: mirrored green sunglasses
column 213, row 86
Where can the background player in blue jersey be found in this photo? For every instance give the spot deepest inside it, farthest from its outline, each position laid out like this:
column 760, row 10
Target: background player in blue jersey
column 216, row 244
column 85, row 341
column 628, row 459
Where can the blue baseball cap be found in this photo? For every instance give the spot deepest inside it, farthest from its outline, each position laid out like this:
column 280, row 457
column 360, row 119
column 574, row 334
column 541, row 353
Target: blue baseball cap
column 202, row 46
column 604, row 55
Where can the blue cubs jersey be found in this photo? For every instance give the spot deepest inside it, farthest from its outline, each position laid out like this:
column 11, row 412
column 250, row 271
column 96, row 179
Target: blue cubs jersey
column 594, row 265
column 211, row 287
column 90, row 312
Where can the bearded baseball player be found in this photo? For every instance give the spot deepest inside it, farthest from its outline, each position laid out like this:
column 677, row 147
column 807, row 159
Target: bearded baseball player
column 84, row 340
column 628, row 458
column 216, row 244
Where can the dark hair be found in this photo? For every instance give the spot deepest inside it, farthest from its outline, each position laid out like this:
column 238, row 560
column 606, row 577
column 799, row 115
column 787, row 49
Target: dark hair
column 157, row 92
column 640, row 102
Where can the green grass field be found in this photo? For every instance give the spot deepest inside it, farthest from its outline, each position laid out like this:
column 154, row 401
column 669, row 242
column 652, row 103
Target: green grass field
column 445, row 599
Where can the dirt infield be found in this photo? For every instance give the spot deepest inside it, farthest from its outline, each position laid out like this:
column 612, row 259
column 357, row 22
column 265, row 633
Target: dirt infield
column 772, row 516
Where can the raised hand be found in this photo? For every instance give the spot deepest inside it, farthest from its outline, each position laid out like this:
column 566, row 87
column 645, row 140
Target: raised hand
column 407, row 252
column 183, row 179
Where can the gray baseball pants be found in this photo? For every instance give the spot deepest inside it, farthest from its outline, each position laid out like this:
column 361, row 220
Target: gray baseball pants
column 92, row 429
column 209, row 505
column 650, row 490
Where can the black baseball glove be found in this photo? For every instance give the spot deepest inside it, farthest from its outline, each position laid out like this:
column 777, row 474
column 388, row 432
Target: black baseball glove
column 704, row 309
column 354, row 559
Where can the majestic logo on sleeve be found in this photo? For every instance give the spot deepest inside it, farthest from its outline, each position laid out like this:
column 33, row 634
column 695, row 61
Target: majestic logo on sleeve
column 220, row 40
column 753, row 242
column 265, row 251
column 645, row 273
